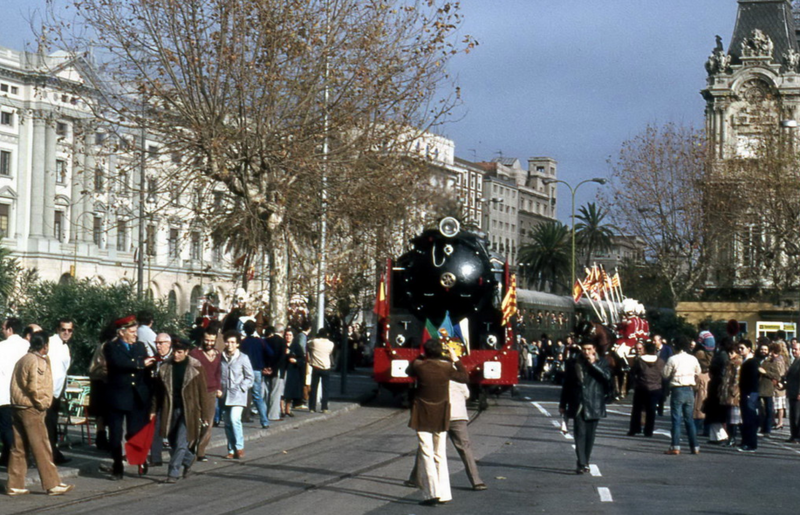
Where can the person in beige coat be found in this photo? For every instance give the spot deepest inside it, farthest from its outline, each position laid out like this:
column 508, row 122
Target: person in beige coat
column 31, row 395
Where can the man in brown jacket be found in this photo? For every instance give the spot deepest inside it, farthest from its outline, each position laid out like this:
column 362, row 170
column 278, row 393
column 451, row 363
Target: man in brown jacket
column 181, row 397
column 430, row 417
column 31, row 395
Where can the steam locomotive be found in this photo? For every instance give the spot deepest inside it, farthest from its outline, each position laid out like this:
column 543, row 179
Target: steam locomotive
column 450, row 284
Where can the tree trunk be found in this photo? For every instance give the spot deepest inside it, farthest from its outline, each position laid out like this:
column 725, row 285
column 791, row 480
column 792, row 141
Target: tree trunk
column 279, row 278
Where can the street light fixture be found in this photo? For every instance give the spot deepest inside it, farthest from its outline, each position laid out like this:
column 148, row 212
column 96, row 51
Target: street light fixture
column 598, row 180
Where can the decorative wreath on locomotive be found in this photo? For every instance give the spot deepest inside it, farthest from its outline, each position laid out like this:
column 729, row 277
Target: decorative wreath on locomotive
column 452, row 286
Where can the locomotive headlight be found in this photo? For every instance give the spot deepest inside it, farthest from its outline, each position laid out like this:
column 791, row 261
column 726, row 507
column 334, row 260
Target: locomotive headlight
column 449, row 227
column 467, row 269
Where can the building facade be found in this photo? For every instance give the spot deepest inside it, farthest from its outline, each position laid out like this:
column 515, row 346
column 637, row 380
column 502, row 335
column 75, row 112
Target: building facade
column 752, row 99
column 69, row 192
column 516, row 200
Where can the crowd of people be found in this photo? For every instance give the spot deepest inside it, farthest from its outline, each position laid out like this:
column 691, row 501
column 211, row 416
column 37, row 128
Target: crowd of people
column 151, row 389
column 717, row 391
column 545, row 359
column 731, row 393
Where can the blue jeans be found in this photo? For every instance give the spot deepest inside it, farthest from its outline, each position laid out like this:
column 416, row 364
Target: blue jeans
column 682, row 405
column 749, row 405
column 233, row 427
column 179, row 453
column 258, row 398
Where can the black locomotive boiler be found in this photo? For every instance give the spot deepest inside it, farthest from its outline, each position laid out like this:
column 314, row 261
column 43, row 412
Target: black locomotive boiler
column 449, row 279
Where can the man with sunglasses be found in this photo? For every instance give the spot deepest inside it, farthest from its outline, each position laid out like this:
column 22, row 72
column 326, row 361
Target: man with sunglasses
column 60, row 360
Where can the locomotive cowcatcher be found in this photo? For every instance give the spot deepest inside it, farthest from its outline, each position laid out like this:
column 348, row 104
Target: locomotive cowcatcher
column 449, row 283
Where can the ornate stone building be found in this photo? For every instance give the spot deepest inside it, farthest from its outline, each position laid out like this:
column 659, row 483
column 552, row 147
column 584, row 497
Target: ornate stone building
column 756, row 80
column 69, row 192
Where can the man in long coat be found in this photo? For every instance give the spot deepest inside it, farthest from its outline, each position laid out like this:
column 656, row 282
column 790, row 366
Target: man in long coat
column 181, row 396
column 430, row 417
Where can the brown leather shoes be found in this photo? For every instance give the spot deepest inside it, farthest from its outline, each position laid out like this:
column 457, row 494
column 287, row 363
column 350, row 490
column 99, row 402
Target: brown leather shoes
column 239, row 454
column 673, row 452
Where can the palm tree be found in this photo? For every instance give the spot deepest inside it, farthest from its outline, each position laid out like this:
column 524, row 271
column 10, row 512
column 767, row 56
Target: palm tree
column 547, row 258
column 591, row 234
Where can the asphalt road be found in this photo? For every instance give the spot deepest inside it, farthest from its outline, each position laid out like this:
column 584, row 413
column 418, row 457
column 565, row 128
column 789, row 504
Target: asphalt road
column 355, row 463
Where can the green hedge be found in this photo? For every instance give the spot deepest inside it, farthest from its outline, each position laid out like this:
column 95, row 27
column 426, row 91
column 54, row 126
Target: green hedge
column 92, row 306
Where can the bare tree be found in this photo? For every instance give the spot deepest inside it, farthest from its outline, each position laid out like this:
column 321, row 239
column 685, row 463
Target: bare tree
column 756, row 191
column 275, row 101
column 656, row 195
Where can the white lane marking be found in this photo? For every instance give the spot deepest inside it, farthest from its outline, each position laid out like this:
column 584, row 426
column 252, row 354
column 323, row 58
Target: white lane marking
column 527, row 398
column 615, row 412
column 782, row 446
column 594, row 470
column 605, row 494
column 556, row 423
column 568, row 436
column 541, row 409
column 662, row 432
column 573, row 447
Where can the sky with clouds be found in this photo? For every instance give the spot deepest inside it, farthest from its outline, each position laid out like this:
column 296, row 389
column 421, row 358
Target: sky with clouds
column 569, row 79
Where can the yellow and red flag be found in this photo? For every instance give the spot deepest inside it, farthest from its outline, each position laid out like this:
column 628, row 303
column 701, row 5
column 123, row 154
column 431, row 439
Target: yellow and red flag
column 509, row 306
column 382, row 300
column 577, row 291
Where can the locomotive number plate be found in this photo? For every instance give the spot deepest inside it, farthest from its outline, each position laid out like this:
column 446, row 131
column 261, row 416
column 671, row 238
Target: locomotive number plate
column 399, row 367
column 492, row 370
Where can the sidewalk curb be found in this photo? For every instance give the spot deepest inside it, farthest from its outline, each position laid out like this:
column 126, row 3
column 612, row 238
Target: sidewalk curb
column 88, row 464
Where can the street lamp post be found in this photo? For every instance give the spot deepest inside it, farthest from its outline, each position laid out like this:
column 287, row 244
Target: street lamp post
column 572, row 190
column 791, row 125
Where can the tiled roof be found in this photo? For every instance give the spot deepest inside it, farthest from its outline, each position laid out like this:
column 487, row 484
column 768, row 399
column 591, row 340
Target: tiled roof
column 774, row 18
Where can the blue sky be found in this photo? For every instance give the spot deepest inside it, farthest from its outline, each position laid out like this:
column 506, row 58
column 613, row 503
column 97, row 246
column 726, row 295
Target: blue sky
column 569, row 79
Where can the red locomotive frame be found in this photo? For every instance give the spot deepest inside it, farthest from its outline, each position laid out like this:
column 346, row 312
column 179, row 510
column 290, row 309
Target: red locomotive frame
column 486, row 367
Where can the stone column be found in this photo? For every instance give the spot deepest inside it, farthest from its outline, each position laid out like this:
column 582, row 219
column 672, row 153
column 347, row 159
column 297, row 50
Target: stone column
column 80, row 148
column 87, row 183
column 37, row 176
column 49, row 186
column 23, row 176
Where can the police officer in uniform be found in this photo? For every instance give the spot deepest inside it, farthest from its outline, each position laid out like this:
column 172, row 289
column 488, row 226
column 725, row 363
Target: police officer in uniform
column 129, row 391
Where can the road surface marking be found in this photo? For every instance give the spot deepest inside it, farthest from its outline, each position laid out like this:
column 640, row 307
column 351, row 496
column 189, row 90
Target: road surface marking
column 573, row 447
column 594, row 470
column 605, row 494
column 541, row 409
column 556, row 423
column 782, row 446
column 662, row 432
column 615, row 412
column 527, row 398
